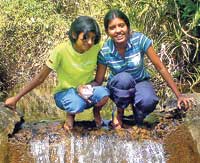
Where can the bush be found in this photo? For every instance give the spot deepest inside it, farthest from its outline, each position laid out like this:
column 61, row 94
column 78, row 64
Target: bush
column 28, row 29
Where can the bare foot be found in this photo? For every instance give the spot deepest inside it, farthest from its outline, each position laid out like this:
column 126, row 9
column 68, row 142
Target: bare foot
column 117, row 121
column 116, row 124
column 69, row 123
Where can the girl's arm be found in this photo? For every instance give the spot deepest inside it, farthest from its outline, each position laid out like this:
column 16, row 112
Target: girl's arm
column 37, row 80
column 168, row 78
column 100, row 75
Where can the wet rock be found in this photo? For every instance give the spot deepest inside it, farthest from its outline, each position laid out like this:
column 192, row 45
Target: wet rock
column 2, row 96
column 152, row 118
column 39, row 105
column 4, row 148
column 8, row 119
column 192, row 120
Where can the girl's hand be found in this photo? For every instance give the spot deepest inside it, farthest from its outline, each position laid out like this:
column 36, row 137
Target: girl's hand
column 11, row 103
column 188, row 102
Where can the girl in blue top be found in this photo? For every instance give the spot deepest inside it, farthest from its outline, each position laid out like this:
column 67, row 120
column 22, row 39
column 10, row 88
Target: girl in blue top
column 123, row 53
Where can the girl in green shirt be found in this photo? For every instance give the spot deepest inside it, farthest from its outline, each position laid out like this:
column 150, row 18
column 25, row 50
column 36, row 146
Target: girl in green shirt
column 74, row 62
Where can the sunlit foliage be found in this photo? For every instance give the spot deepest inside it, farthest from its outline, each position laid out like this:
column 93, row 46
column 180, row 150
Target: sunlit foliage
column 29, row 28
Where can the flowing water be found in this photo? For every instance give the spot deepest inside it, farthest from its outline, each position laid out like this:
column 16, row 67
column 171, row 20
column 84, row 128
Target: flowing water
column 49, row 143
column 102, row 149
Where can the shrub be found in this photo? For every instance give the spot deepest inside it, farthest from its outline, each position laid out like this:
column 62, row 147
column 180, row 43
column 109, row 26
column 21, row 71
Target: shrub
column 28, row 29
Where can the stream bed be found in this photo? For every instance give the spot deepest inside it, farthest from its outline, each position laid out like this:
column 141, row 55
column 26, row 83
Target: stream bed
column 167, row 137
column 47, row 142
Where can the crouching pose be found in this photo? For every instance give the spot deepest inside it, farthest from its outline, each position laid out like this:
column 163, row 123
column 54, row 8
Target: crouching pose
column 74, row 61
column 123, row 53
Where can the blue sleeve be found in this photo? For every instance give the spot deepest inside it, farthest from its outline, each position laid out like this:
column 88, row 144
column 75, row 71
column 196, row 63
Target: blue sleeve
column 144, row 42
column 101, row 59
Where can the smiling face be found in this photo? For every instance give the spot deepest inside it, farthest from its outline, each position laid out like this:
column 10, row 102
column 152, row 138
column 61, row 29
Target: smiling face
column 118, row 31
column 84, row 42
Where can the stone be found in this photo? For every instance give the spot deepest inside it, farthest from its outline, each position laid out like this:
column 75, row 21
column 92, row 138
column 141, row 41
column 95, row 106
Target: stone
column 8, row 119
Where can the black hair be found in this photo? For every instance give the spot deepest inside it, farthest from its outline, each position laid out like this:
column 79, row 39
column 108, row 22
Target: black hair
column 115, row 13
column 84, row 24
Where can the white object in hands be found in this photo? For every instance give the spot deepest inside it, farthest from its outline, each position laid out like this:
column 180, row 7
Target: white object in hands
column 87, row 91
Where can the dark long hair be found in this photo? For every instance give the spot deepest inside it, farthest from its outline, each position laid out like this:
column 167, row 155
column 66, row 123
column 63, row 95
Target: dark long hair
column 84, row 24
column 115, row 13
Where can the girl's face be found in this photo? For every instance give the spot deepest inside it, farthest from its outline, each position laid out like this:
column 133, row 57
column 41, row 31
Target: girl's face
column 118, row 31
column 84, row 44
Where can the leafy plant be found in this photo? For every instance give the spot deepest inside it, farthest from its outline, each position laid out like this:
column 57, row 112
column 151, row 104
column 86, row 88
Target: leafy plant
column 28, row 29
column 194, row 79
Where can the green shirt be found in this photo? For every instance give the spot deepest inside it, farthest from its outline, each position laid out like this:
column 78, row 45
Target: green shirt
column 72, row 68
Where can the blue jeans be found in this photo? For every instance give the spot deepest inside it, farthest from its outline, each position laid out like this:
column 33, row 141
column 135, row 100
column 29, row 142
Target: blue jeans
column 124, row 91
column 69, row 100
column 145, row 100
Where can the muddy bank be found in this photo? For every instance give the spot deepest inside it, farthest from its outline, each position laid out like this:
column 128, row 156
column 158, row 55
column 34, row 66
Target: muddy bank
column 181, row 147
column 183, row 143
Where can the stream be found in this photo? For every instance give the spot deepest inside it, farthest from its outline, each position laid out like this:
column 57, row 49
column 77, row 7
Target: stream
column 40, row 137
column 47, row 142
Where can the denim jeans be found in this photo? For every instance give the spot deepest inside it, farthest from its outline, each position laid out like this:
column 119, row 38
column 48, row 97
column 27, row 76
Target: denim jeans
column 141, row 95
column 69, row 100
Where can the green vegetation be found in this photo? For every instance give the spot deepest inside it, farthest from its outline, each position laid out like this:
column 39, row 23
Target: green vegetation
column 29, row 28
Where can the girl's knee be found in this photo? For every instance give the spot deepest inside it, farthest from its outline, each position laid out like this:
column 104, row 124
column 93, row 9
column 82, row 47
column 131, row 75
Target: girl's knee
column 122, row 80
column 100, row 95
column 70, row 102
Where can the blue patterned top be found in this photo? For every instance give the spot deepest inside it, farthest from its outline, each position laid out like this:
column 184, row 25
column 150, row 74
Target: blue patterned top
column 133, row 62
